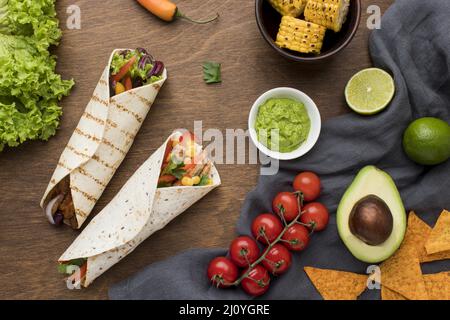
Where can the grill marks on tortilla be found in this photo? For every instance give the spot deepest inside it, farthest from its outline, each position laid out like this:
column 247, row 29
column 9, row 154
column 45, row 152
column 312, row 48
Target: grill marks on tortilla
column 141, row 98
column 104, row 163
column 104, row 141
column 112, row 124
column 111, row 145
column 87, row 135
column 99, row 100
column 90, row 116
column 92, row 177
column 95, row 158
column 81, row 213
column 126, row 133
column 84, row 194
column 76, row 152
column 128, row 111
column 63, row 165
column 103, row 82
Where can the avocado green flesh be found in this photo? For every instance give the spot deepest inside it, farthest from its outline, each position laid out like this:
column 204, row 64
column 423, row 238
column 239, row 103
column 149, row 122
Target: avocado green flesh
column 372, row 181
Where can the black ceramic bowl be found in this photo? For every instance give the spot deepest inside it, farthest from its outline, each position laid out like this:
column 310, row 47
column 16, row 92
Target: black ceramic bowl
column 268, row 20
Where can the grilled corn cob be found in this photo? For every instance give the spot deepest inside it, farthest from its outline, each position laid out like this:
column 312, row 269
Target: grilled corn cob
column 299, row 35
column 328, row 13
column 292, row 8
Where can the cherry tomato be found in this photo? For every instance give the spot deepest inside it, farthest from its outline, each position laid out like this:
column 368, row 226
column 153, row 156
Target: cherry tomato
column 257, row 282
column 244, row 251
column 315, row 214
column 308, row 183
column 222, row 272
column 266, row 227
column 286, row 203
column 296, row 237
column 278, row 259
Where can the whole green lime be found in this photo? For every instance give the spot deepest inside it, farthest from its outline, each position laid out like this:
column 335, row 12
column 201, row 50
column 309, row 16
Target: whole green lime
column 427, row 141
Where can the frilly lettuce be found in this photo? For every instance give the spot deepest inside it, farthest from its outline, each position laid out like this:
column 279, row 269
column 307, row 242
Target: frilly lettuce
column 35, row 18
column 29, row 87
column 119, row 60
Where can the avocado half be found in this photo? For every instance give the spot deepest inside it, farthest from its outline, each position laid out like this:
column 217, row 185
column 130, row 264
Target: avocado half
column 371, row 218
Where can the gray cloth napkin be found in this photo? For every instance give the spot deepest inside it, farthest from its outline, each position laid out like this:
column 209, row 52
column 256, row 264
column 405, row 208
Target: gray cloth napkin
column 414, row 45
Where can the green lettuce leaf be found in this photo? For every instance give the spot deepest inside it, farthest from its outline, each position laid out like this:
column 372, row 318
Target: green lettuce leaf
column 36, row 18
column 29, row 91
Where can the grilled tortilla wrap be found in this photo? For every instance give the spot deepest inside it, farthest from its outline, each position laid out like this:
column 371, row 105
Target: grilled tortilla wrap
column 136, row 212
column 97, row 147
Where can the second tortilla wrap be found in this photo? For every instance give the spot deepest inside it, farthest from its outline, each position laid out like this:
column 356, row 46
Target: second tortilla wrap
column 99, row 143
column 137, row 211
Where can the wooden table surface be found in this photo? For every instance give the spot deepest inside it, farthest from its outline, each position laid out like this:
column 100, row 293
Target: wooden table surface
column 30, row 246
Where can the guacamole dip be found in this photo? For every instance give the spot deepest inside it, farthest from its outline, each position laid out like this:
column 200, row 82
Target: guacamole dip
column 289, row 117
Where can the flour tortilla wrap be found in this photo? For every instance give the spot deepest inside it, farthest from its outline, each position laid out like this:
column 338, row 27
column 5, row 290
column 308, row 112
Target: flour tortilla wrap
column 100, row 142
column 136, row 212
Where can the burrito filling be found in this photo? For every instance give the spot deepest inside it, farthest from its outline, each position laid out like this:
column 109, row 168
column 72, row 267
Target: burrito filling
column 185, row 163
column 59, row 206
column 76, row 270
column 132, row 69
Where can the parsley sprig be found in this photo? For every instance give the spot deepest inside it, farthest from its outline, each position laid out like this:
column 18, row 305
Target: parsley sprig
column 212, row 72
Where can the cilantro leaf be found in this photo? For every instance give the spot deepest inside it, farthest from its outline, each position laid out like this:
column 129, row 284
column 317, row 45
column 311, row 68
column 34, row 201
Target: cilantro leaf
column 212, row 72
column 169, row 168
column 175, row 169
column 179, row 173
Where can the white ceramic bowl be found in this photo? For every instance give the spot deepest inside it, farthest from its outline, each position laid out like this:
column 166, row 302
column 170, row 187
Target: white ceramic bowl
column 311, row 108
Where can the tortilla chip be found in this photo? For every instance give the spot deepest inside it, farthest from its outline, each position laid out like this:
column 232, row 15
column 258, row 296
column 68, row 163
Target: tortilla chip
column 438, row 285
column 420, row 232
column 337, row 285
column 388, row 294
column 439, row 239
column 401, row 272
column 444, row 255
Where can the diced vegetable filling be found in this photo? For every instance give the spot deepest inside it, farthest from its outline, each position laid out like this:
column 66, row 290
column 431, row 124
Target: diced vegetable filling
column 76, row 269
column 185, row 163
column 132, row 69
column 59, row 207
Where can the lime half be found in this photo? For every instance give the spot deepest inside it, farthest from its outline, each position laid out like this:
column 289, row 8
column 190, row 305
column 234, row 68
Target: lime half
column 370, row 91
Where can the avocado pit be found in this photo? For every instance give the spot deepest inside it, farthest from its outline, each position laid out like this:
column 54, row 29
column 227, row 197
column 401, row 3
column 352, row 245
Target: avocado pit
column 371, row 220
